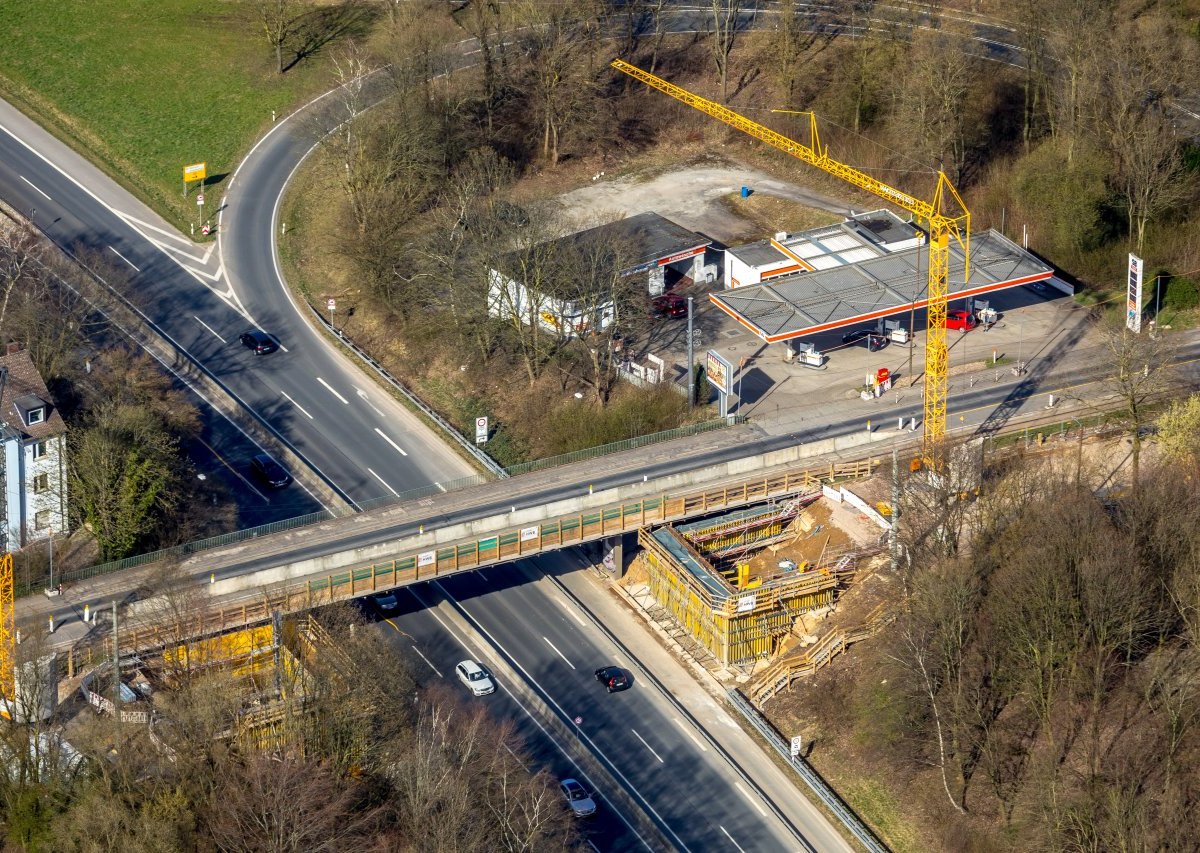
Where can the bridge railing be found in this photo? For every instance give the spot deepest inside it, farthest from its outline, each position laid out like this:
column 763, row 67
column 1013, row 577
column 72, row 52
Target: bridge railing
column 503, row 546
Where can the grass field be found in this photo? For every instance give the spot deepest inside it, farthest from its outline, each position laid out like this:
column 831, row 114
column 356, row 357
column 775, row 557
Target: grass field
column 145, row 87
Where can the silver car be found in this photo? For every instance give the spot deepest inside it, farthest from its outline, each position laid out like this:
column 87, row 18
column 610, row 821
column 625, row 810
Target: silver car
column 580, row 801
column 476, row 679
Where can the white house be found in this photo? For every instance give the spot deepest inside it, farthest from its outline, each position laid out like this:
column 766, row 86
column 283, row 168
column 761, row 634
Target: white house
column 34, row 437
column 651, row 245
column 860, row 237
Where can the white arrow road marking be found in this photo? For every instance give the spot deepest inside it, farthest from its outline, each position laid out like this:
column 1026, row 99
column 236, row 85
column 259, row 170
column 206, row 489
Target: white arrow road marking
column 388, row 440
column 360, row 392
column 35, row 186
column 385, row 483
column 122, row 257
column 334, row 393
column 210, row 329
column 294, row 403
column 648, row 746
column 560, row 654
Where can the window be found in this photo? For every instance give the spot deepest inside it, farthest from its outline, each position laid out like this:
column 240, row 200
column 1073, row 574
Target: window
column 41, row 520
column 35, row 416
column 39, row 450
column 41, row 483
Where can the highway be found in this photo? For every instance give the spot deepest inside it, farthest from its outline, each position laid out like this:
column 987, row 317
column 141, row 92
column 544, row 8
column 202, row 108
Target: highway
column 698, row 802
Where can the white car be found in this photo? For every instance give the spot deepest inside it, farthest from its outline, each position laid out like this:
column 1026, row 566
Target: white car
column 475, row 677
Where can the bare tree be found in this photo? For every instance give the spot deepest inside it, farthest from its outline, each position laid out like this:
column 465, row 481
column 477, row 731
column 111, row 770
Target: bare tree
column 278, row 19
column 725, row 23
column 1143, row 369
column 1139, row 68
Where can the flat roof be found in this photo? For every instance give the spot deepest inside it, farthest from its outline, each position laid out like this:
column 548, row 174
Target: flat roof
column 805, row 304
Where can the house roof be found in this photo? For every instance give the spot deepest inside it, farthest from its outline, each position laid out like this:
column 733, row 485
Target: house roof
column 647, row 240
column 812, row 302
column 25, row 384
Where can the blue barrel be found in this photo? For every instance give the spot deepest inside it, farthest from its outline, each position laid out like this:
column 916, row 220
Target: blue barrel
column 745, row 192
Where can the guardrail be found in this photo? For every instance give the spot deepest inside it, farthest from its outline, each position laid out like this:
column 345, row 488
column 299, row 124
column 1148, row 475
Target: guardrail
column 804, row 770
column 445, row 426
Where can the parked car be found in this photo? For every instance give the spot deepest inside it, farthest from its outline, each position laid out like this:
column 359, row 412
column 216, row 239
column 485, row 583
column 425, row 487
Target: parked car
column 259, row 341
column 580, row 801
column 669, row 305
column 614, row 678
column 475, row 678
column 270, row 471
column 964, row 321
column 872, row 340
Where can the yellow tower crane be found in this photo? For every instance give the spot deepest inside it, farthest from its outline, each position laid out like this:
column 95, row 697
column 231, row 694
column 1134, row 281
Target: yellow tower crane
column 942, row 226
column 8, row 635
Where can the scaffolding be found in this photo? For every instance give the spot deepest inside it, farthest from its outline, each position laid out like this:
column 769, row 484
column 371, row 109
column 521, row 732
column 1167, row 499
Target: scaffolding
column 740, row 623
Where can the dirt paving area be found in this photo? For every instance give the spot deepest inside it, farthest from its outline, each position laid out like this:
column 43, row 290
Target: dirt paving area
column 693, row 196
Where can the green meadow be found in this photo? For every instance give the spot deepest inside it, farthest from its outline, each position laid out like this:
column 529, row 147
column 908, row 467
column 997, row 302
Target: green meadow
column 145, row 87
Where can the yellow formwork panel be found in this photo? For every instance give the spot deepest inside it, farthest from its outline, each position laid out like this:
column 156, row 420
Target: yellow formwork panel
column 730, row 636
column 231, row 648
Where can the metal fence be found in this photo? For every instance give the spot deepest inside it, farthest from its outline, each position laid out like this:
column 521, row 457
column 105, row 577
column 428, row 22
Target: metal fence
column 819, row 786
column 388, row 500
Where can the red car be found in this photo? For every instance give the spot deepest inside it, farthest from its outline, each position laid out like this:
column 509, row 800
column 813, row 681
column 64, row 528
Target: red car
column 964, row 321
column 669, row 305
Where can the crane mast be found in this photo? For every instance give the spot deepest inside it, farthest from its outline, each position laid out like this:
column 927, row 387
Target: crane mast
column 938, row 214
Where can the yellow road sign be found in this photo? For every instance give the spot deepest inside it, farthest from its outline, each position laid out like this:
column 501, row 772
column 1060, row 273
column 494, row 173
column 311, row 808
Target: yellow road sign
column 195, row 172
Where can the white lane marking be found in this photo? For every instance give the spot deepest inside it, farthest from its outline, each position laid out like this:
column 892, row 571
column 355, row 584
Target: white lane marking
column 122, row 257
column 385, row 483
column 35, row 186
column 363, row 394
column 731, row 841
column 431, row 666
column 687, row 731
column 211, row 330
column 334, row 393
column 392, row 443
column 428, row 608
column 583, row 736
column 297, row 405
column 556, row 651
column 753, row 800
column 566, row 605
column 648, row 746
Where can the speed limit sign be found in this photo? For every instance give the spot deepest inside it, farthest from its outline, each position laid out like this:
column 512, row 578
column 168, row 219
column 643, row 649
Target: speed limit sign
column 199, row 199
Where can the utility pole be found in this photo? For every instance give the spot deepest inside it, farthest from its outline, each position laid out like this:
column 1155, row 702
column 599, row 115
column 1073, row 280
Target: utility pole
column 894, row 532
column 691, row 379
column 116, row 669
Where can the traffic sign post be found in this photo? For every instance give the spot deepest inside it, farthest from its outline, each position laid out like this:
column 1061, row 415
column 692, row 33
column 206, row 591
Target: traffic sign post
column 331, row 304
column 481, row 430
column 797, row 743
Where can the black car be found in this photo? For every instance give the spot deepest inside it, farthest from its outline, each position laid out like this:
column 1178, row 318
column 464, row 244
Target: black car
column 270, row 471
column 873, row 340
column 259, row 341
column 613, row 678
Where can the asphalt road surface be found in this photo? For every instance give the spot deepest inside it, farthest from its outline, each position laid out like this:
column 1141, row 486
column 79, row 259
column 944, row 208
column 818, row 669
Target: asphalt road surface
column 636, row 733
column 363, row 443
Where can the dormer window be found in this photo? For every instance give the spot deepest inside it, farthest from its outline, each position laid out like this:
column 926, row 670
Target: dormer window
column 35, row 416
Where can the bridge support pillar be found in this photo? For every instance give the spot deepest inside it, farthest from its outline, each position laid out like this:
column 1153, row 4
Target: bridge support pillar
column 616, row 550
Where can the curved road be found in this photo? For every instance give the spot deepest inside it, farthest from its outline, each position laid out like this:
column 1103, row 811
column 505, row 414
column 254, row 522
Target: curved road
column 356, row 437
